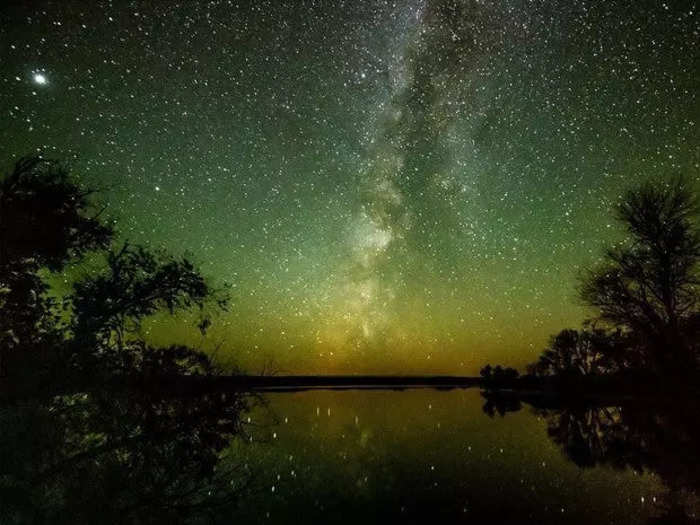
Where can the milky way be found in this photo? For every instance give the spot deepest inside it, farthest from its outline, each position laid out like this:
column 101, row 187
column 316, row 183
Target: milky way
column 387, row 187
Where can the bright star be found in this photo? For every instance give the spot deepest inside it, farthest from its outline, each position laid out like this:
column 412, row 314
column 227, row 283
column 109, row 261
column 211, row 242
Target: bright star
column 40, row 78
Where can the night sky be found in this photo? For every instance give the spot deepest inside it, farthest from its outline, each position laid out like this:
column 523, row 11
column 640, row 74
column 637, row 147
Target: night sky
column 394, row 187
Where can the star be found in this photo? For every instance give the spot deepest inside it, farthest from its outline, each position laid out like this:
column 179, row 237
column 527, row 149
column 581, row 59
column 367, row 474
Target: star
column 40, row 78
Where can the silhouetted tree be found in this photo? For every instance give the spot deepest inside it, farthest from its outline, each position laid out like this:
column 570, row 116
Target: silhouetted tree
column 510, row 374
column 109, row 307
column 46, row 220
column 649, row 286
column 136, row 283
column 498, row 376
column 102, row 452
column 580, row 353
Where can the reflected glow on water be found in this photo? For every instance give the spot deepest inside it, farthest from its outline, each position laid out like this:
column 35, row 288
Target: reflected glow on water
column 379, row 455
column 354, row 456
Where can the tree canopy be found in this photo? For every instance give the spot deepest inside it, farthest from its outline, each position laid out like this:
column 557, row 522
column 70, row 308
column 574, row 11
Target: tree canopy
column 649, row 286
column 46, row 217
column 48, row 220
column 645, row 293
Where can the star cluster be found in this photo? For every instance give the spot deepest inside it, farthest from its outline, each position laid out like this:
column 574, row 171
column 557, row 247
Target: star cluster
column 387, row 186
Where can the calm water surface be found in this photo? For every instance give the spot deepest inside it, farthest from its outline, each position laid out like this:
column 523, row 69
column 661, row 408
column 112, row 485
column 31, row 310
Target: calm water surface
column 353, row 456
column 374, row 456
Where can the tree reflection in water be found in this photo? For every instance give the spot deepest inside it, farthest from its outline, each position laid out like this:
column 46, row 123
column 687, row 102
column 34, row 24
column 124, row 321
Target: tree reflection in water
column 659, row 436
column 121, row 456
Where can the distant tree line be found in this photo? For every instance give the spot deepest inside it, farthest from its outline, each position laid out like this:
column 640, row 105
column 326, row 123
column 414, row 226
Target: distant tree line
column 498, row 375
column 49, row 221
column 646, row 294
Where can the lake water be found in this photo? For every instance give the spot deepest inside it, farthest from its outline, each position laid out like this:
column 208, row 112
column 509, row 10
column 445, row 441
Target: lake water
column 380, row 456
column 351, row 456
